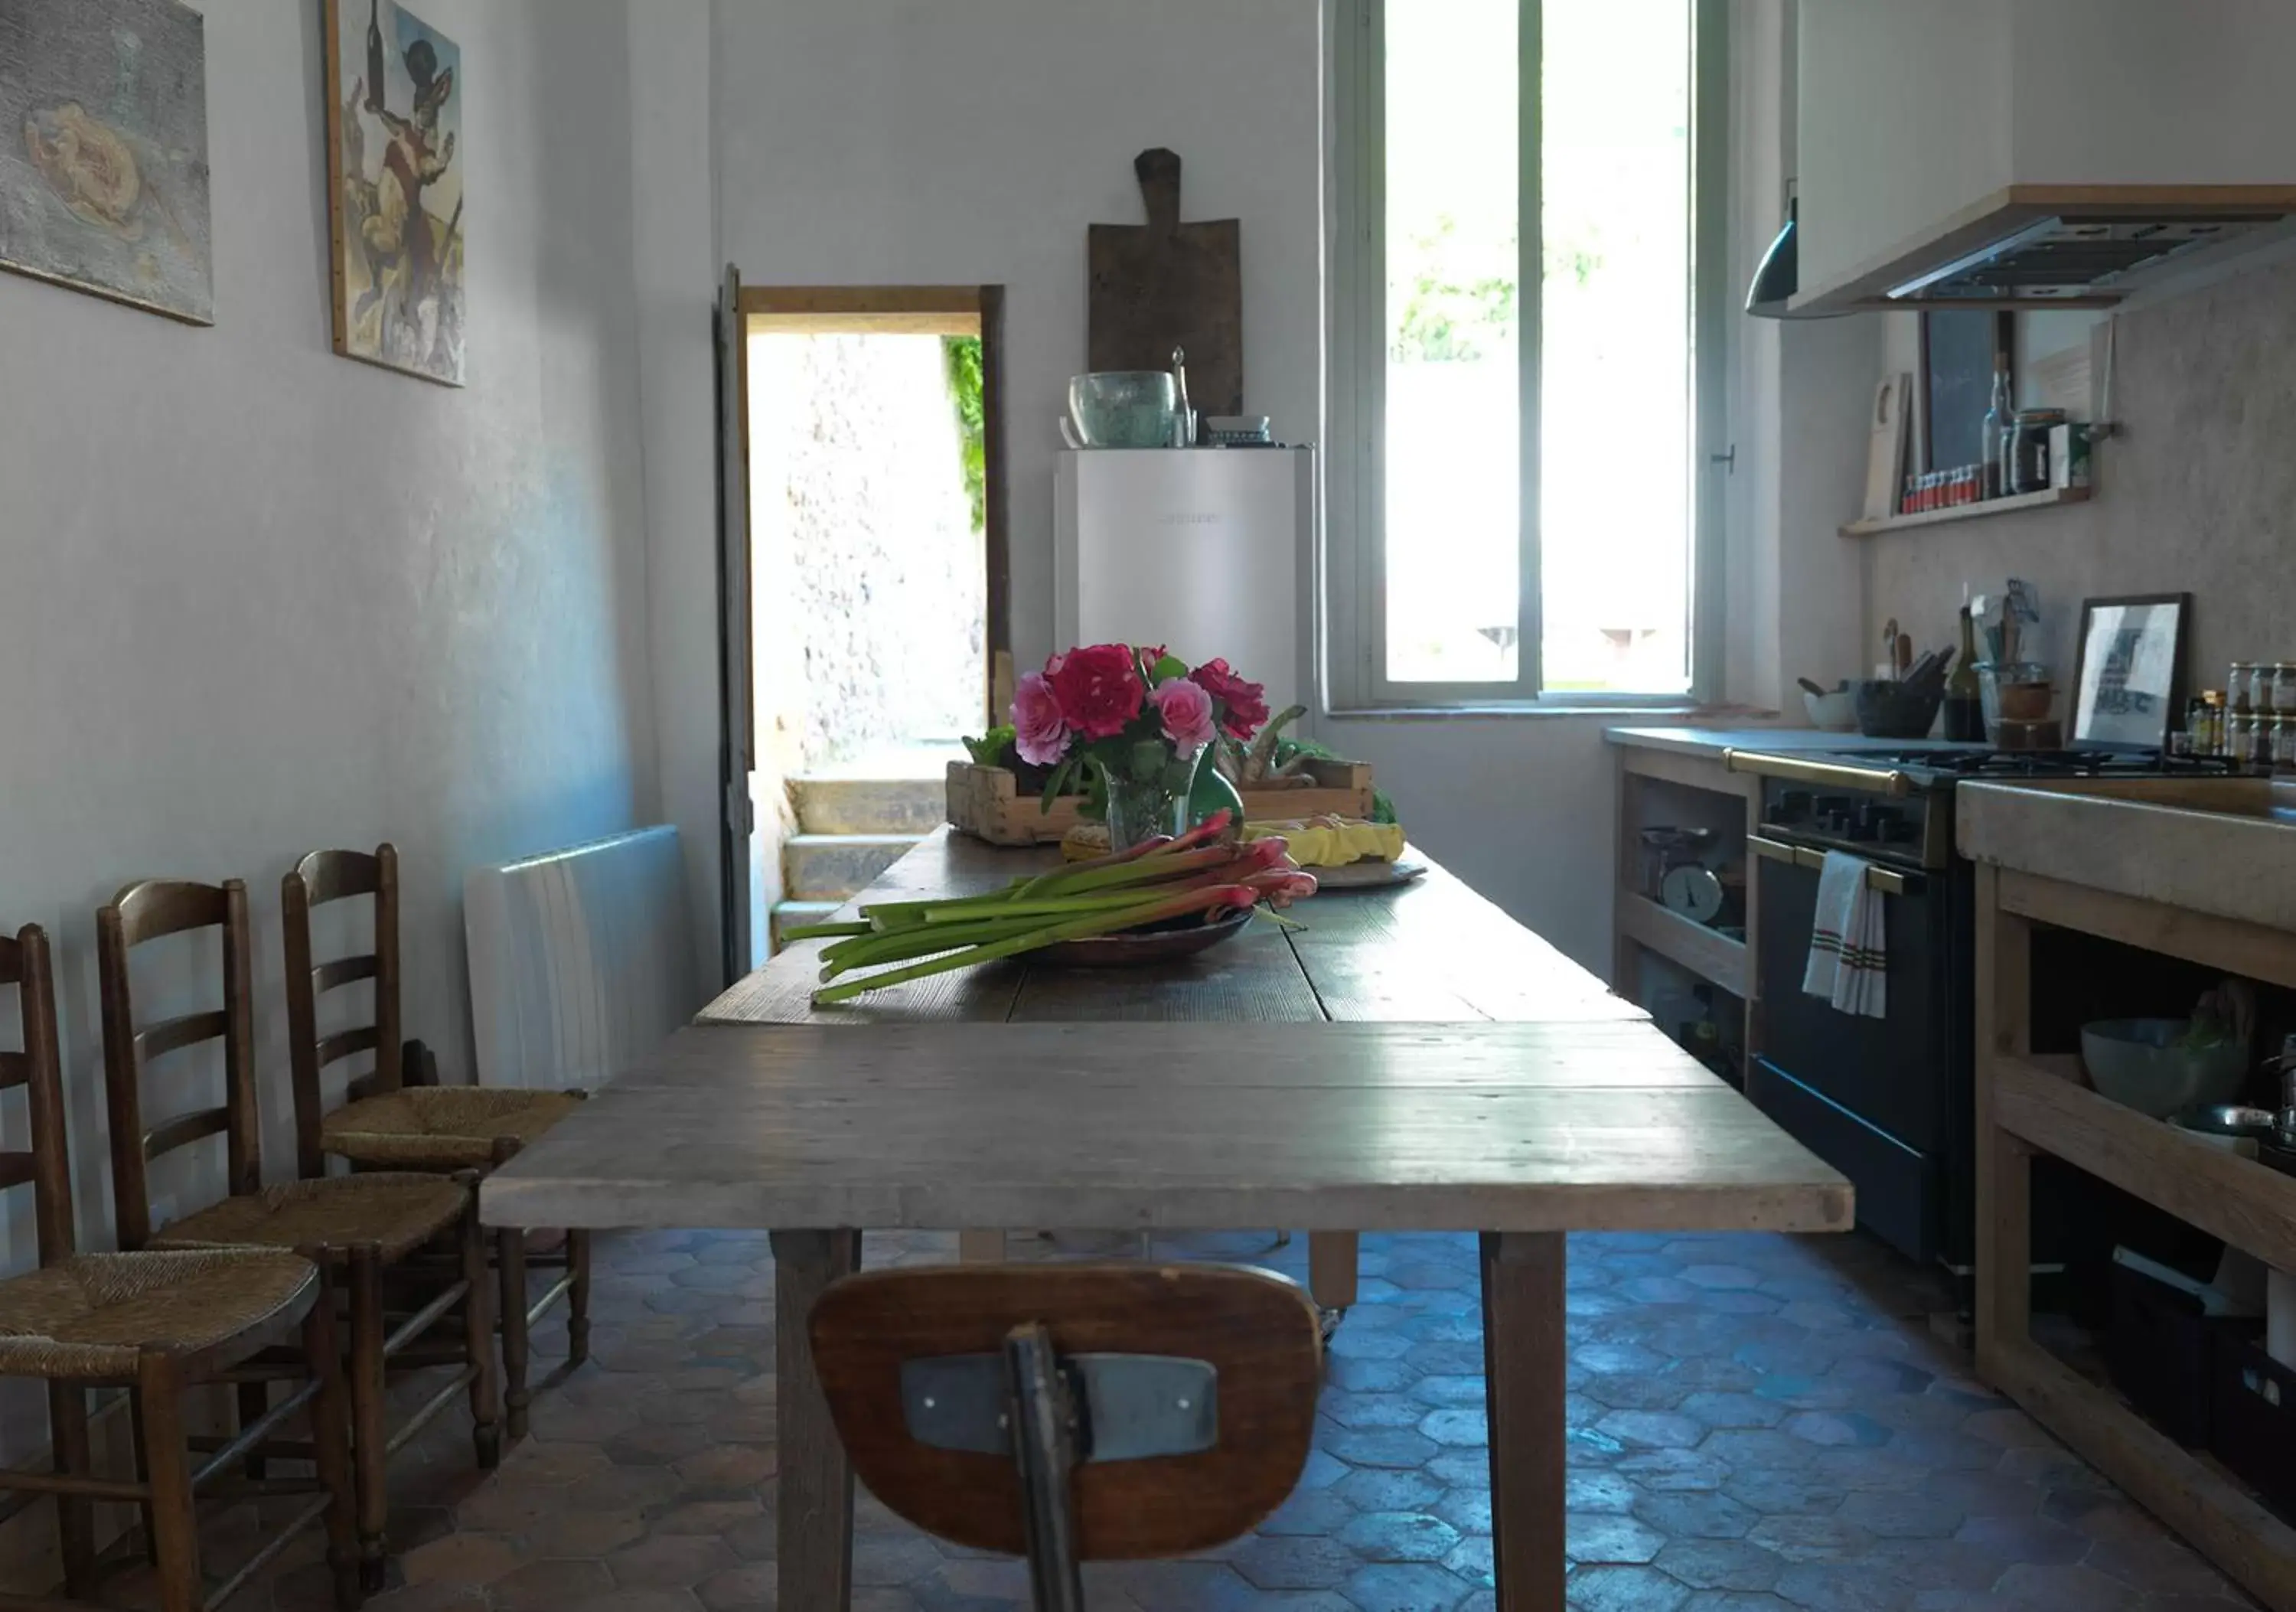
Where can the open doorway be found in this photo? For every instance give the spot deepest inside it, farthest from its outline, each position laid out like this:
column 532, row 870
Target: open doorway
column 880, row 625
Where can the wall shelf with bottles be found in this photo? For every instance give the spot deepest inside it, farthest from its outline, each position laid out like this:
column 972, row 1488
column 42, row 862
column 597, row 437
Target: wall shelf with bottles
column 1968, row 512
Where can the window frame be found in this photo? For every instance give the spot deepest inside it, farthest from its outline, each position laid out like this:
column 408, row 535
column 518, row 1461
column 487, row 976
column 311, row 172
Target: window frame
column 1351, row 580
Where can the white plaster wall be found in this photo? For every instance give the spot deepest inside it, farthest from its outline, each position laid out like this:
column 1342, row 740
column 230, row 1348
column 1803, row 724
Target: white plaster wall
column 2194, row 492
column 889, row 141
column 674, row 252
column 256, row 598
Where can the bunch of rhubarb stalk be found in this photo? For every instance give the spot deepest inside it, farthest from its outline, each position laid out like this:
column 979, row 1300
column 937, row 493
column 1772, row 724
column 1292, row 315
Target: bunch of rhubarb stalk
column 1193, row 873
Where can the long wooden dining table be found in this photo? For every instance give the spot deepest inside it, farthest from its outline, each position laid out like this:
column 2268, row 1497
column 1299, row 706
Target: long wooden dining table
column 1410, row 1060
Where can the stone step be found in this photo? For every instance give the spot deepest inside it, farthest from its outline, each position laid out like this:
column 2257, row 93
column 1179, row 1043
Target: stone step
column 842, row 805
column 833, row 867
column 790, row 915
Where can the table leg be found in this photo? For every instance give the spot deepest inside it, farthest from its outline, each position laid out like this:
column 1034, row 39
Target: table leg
column 815, row 1534
column 980, row 1247
column 1331, row 1268
column 1524, row 1355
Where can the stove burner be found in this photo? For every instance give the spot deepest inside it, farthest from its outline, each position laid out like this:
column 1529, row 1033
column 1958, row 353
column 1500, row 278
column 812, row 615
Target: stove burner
column 1939, row 765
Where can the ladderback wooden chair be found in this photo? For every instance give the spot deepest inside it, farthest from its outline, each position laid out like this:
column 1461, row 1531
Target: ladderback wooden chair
column 158, row 1324
column 1073, row 1413
column 399, row 1117
column 368, row 1224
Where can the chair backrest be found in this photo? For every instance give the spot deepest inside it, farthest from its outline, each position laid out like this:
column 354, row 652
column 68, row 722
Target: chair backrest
column 47, row 1163
column 145, row 912
column 1181, row 1454
column 319, row 878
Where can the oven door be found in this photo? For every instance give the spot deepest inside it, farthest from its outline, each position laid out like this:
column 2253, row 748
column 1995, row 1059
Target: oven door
column 1870, row 1096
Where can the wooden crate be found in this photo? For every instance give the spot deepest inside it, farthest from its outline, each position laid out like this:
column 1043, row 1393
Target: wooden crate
column 987, row 801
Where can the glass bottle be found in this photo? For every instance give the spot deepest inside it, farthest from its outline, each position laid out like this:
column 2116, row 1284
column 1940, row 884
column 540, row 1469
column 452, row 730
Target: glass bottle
column 1964, row 712
column 1998, row 433
column 2240, row 740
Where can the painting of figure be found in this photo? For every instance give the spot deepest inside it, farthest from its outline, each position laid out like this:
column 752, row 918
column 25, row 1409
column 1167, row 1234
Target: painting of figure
column 103, row 151
column 395, row 188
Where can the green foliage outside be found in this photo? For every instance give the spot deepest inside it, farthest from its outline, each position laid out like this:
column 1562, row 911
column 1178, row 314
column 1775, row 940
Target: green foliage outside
column 962, row 353
column 1462, row 303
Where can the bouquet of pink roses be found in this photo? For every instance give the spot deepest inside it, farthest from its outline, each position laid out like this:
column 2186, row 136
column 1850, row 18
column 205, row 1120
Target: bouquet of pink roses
column 1141, row 718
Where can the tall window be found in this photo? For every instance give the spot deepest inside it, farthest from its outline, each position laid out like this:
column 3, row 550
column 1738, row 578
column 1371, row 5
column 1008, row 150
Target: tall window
column 1520, row 475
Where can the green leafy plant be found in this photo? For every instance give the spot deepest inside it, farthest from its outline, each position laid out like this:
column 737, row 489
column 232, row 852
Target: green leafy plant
column 991, row 748
column 962, row 356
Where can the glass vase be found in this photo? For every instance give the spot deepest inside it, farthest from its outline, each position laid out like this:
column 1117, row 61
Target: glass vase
column 1150, row 797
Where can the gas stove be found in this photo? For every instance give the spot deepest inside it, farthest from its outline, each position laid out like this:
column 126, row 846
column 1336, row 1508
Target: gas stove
column 1890, row 1102
column 1933, row 767
column 1896, row 805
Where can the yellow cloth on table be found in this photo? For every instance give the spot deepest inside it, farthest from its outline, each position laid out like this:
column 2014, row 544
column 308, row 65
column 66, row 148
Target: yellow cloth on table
column 1333, row 843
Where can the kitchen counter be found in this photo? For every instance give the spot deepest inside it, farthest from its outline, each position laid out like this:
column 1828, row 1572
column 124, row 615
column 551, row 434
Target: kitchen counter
column 2226, row 847
column 2198, row 869
column 1713, row 741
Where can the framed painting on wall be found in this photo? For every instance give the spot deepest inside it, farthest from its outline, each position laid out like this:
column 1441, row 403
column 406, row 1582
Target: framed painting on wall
column 395, row 188
column 103, row 151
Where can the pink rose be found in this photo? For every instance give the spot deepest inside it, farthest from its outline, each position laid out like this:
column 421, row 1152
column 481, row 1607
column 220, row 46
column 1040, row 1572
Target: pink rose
column 1243, row 705
column 1041, row 733
column 1188, row 713
column 1099, row 689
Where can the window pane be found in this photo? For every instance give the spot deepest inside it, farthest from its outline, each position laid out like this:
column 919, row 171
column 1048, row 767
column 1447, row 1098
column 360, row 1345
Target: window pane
column 1615, row 347
column 1453, row 540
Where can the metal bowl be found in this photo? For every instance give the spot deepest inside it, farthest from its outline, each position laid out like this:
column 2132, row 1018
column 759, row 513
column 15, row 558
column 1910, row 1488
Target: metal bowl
column 1136, row 948
column 2140, row 1062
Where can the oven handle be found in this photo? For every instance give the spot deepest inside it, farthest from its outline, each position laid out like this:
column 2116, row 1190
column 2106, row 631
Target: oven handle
column 1888, row 881
column 1799, row 769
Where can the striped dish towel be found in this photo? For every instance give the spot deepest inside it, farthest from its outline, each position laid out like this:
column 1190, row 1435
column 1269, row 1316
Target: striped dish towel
column 1849, row 944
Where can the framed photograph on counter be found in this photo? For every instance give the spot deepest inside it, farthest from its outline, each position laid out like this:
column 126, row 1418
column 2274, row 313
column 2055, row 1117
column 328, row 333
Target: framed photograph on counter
column 2128, row 678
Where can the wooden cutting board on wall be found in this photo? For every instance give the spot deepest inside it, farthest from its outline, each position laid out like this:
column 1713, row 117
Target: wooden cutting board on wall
column 1165, row 285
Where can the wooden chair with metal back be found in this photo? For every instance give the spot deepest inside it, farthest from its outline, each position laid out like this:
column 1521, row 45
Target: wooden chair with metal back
column 399, row 1117
column 160, row 1325
column 368, row 1224
column 1072, row 1413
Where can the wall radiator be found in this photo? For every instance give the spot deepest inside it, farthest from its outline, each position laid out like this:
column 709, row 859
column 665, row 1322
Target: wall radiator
column 581, row 961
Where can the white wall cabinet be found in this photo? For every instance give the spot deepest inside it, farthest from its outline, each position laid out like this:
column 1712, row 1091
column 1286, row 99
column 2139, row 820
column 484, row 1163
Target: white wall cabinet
column 1932, row 127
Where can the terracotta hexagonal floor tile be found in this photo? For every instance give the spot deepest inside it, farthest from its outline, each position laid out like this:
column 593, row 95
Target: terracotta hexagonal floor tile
column 544, row 1587
column 1298, row 1562
column 662, row 1560
column 461, row 1559
column 727, row 1467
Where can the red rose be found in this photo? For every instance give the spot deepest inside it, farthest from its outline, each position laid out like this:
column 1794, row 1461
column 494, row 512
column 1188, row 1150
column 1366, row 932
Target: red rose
column 1099, row 689
column 1243, row 705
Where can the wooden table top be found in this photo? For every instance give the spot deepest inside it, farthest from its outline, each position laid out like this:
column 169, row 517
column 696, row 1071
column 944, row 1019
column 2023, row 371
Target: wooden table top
column 1429, row 952
column 1582, row 1125
column 1346, row 1078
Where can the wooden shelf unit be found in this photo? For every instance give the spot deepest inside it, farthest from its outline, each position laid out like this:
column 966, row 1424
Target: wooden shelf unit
column 1639, row 924
column 2047, row 498
column 2029, row 1104
column 1707, row 953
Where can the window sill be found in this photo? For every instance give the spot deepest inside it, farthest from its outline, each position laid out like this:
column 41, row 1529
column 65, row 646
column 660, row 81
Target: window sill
column 1581, row 709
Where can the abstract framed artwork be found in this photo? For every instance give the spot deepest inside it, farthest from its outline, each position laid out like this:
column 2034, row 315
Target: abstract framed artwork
column 395, row 188
column 2128, row 678
column 103, row 151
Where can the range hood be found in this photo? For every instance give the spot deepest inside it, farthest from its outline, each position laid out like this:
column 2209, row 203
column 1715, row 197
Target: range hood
column 2073, row 246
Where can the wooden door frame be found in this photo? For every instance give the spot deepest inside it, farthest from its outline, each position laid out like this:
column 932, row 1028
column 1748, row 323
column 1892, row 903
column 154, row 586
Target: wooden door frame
column 932, row 310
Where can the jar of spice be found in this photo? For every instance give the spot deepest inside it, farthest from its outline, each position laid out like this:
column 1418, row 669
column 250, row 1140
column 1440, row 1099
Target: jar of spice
column 2263, row 691
column 2240, row 739
column 2025, row 450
